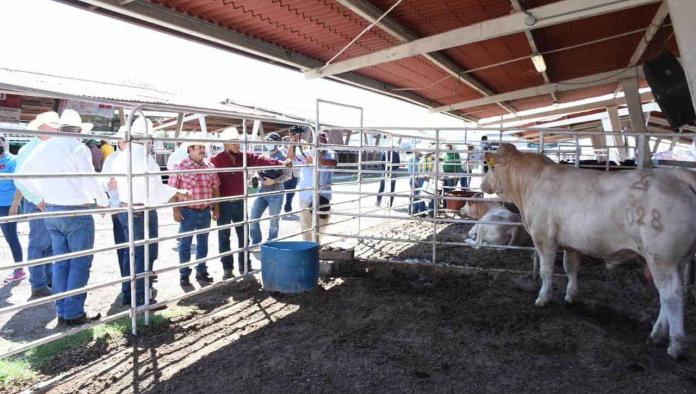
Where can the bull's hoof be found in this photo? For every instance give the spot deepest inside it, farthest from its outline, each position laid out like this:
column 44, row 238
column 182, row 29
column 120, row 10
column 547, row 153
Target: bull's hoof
column 541, row 302
column 655, row 340
column 677, row 349
column 569, row 299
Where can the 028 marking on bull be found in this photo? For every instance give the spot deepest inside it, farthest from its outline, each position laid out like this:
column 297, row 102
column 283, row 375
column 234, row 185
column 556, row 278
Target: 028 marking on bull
column 635, row 216
column 642, row 183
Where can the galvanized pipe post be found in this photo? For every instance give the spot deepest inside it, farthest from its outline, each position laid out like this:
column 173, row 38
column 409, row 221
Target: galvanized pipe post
column 245, row 147
column 578, row 151
column 131, row 235
column 146, row 224
column 435, row 199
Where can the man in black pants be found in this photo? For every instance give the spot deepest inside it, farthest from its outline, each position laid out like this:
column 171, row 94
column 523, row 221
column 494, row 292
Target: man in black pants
column 389, row 162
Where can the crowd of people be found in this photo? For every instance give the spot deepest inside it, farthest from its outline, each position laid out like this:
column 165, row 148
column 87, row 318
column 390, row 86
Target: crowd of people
column 453, row 167
column 204, row 194
column 203, row 191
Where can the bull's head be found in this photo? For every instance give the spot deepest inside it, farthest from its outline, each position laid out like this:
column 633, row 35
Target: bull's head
column 497, row 168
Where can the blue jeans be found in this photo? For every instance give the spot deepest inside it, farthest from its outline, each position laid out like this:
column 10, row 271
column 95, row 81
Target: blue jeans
column 70, row 234
column 194, row 219
column 273, row 203
column 231, row 211
column 9, row 230
column 39, row 247
column 416, row 205
column 121, row 254
column 138, row 234
column 289, row 185
column 449, row 184
column 464, row 181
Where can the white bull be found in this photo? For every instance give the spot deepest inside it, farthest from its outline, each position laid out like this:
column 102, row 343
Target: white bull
column 492, row 234
column 612, row 216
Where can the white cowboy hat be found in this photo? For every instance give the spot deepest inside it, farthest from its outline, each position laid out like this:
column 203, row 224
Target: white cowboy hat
column 229, row 133
column 139, row 128
column 49, row 118
column 71, row 118
column 186, row 144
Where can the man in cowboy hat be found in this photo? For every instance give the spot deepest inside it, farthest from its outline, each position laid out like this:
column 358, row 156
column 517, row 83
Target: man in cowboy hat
column 66, row 155
column 327, row 158
column 196, row 216
column 232, row 184
column 39, row 237
column 159, row 193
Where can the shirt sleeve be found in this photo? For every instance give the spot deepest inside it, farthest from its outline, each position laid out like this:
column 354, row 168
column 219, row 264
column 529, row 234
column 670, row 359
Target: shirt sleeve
column 160, row 193
column 175, row 179
column 254, row 160
column 29, row 166
column 216, row 179
column 83, row 160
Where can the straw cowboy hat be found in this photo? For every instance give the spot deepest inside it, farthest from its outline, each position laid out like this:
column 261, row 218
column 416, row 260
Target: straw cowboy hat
column 49, row 118
column 140, row 128
column 229, row 133
column 70, row 118
column 186, row 144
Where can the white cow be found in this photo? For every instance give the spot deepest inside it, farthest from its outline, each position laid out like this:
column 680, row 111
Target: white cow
column 613, row 216
column 492, row 234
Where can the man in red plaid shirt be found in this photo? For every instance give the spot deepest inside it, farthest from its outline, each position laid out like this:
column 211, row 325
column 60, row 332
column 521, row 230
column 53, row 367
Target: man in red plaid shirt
column 197, row 215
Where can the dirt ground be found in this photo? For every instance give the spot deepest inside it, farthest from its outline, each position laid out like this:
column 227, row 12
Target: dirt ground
column 402, row 328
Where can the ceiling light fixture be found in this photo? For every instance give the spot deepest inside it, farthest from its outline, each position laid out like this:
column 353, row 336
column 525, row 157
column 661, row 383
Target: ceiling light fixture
column 539, row 62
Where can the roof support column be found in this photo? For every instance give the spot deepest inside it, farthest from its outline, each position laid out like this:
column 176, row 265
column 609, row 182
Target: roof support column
column 682, row 14
column 615, row 126
column 635, row 112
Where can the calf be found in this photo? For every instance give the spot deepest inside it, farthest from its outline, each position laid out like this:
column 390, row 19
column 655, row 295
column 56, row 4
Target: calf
column 493, row 234
column 608, row 215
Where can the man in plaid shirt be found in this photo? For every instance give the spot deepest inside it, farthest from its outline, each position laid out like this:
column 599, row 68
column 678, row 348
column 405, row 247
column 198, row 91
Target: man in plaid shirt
column 197, row 215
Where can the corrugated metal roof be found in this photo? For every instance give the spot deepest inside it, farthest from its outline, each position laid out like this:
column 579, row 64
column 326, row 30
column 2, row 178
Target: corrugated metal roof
column 318, row 29
column 89, row 90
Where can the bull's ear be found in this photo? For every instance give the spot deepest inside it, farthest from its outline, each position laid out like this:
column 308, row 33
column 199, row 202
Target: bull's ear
column 506, row 148
column 492, row 159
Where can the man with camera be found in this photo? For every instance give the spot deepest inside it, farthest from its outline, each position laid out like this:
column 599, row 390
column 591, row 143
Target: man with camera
column 272, row 180
column 327, row 158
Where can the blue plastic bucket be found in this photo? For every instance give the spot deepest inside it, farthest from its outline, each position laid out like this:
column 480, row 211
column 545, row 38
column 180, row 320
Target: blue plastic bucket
column 290, row 267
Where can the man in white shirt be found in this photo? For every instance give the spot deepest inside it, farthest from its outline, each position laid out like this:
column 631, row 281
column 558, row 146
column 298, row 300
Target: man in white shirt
column 159, row 193
column 327, row 158
column 65, row 155
column 111, row 188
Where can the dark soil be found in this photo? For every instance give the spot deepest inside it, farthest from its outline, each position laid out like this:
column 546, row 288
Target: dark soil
column 406, row 328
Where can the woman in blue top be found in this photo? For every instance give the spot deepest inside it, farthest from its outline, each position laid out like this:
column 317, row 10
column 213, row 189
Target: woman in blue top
column 7, row 193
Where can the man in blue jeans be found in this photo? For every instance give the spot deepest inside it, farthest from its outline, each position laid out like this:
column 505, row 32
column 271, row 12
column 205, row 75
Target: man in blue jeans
column 158, row 194
column 231, row 185
column 7, row 196
column 203, row 186
column 39, row 237
column 271, row 181
column 67, row 155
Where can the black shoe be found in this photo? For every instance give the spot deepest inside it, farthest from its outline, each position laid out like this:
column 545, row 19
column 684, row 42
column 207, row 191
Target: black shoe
column 60, row 321
column 153, row 278
column 40, row 293
column 184, row 281
column 84, row 319
column 204, row 277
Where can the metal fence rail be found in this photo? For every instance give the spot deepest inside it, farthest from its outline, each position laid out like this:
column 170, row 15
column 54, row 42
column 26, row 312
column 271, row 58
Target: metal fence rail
column 435, row 216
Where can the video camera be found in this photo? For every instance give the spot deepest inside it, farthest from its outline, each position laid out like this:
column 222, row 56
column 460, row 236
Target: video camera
column 297, row 129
